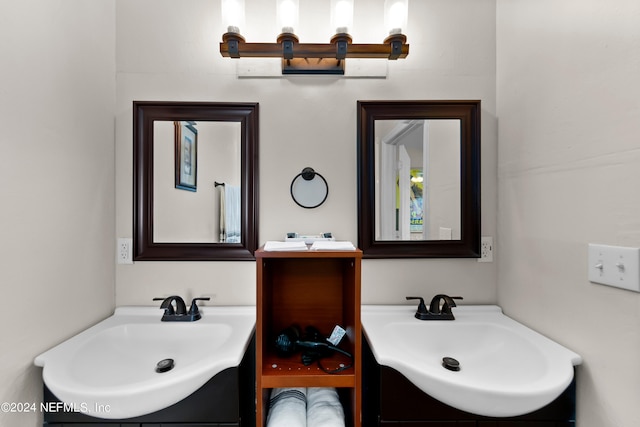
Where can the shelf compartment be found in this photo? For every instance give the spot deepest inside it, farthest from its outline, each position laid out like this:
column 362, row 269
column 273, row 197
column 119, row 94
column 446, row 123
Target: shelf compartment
column 291, row 372
column 310, row 288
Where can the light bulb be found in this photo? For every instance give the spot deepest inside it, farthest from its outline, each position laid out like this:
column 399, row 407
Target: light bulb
column 233, row 15
column 287, row 11
column 395, row 15
column 342, row 15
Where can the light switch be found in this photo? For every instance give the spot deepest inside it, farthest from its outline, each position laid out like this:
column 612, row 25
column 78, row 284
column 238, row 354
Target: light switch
column 615, row 266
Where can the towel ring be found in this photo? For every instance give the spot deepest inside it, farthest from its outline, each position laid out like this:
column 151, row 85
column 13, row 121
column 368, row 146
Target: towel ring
column 309, row 189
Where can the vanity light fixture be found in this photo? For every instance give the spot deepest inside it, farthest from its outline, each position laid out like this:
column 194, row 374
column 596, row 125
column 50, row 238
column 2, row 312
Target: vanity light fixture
column 315, row 58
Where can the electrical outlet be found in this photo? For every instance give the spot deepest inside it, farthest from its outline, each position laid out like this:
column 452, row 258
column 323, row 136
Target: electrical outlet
column 124, row 251
column 486, row 249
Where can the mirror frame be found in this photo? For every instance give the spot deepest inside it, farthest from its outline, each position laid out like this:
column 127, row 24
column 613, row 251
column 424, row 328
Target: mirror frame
column 145, row 113
column 468, row 112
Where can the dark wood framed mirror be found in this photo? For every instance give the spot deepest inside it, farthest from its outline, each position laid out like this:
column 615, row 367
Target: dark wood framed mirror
column 171, row 224
column 419, row 179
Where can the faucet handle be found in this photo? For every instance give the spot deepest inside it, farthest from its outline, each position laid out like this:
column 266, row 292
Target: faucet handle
column 422, row 308
column 193, row 310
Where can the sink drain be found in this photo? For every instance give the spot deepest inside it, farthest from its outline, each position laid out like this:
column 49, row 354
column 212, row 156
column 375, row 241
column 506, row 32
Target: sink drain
column 164, row 365
column 450, row 363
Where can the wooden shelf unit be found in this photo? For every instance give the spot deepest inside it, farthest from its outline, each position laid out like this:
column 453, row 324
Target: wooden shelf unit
column 308, row 288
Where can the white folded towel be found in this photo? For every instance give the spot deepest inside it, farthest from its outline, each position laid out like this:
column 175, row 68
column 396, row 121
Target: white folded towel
column 324, row 408
column 233, row 195
column 332, row 245
column 287, row 407
column 285, row 246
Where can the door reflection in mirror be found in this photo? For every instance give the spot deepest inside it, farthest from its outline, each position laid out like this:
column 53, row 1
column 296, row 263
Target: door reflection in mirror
column 447, row 224
column 417, row 179
column 209, row 214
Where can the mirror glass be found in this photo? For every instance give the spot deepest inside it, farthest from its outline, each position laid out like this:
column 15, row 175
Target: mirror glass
column 417, row 170
column 419, row 178
column 195, row 171
column 216, row 160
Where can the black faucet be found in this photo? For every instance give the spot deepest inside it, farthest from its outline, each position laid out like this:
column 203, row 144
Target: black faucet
column 435, row 312
column 180, row 313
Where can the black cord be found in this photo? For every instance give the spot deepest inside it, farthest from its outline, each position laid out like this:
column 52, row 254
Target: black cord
column 341, row 368
column 334, row 371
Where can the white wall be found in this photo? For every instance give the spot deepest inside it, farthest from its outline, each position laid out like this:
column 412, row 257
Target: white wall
column 57, row 97
column 168, row 50
column 444, row 178
column 569, row 167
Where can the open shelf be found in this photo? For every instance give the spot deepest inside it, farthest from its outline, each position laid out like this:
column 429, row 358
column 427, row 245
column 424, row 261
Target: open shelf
column 291, row 372
column 319, row 289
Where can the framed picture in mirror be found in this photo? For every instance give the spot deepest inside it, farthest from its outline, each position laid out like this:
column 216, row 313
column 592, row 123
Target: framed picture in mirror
column 186, row 155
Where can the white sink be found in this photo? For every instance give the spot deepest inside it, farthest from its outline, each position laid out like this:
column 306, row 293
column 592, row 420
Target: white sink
column 506, row 369
column 109, row 370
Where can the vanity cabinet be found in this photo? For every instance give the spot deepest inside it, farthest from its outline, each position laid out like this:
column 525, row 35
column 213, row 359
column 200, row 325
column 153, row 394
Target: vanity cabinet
column 391, row 400
column 308, row 288
column 226, row 400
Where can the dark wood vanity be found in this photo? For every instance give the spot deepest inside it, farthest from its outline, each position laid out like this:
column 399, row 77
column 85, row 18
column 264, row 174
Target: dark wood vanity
column 226, row 400
column 390, row 399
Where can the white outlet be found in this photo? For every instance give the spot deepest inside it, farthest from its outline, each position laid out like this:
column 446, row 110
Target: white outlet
column 124, row 251
column 486, row 249
column 615, row 266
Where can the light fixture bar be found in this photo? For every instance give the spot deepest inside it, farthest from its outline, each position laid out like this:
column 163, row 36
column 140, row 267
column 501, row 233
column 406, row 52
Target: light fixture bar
column 314, row 58
column 305, row 56
column 314, row 50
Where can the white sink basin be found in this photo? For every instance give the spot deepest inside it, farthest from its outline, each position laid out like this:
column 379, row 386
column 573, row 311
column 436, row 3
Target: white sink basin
column 109, row 370
column 506, row 369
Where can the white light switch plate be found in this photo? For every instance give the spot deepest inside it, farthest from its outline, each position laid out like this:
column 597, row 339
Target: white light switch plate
column 615, row 266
